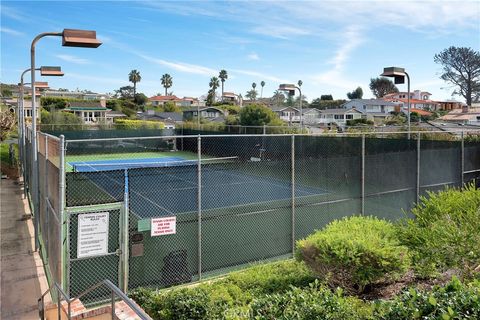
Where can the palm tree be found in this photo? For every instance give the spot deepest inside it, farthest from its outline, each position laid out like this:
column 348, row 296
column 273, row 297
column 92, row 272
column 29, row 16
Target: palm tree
column 214, row 84
column 300, row 82
column 223, row 76
column 167, row 81
column 134, row 77
column 254, row 85
column 262, row 84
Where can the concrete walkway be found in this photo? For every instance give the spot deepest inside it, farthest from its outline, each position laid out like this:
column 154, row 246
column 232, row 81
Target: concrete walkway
column 22, row 275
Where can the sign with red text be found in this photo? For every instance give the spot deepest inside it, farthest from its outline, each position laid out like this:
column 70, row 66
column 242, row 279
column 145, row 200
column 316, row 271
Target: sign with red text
column 163, row 226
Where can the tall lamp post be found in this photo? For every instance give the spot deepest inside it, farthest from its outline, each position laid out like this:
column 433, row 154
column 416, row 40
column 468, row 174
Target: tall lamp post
column 70, row 38
column 291, row 91
column 399, row 75
column 44, row 71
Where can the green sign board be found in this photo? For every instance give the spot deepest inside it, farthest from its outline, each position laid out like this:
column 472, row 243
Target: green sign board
column 144, row 225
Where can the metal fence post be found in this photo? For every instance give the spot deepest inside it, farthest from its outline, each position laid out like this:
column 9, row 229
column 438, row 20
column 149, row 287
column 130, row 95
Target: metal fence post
column 418, row 169
column 363, row 175
column 199, row 203
column 293, row 192
column 62, row 215
column 46, row 216
column 462, row 164
column 124, row 220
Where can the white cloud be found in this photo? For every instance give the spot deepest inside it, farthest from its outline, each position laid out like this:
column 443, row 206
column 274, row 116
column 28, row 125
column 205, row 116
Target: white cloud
column 253, row 56
column 259, row 75
column 180, row 66
column 72, row 59
column 280, row 31
column 11, row 32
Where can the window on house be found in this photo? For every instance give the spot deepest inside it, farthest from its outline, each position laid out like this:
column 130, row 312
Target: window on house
column 349, row 116
column 339, row 116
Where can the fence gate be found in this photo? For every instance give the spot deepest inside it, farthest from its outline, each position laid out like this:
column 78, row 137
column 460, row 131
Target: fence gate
column 95, row 249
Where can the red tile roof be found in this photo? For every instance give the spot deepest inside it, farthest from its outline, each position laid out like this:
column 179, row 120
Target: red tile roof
column 421, row 112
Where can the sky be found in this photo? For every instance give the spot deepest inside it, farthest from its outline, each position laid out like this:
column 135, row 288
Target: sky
column 332, row 46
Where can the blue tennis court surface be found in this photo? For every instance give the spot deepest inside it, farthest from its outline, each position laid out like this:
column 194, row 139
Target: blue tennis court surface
column 119, row 164
column 172, row 187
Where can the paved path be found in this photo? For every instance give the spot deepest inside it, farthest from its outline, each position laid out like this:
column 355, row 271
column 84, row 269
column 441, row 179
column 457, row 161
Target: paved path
column 22, row 274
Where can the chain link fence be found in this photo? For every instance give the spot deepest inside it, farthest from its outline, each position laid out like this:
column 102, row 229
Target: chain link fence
column 164, row 210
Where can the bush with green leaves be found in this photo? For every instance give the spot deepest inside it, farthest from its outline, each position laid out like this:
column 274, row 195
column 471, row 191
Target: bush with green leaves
column 314, row 302
column 226, row 296
column 453, row 301
column 445, row 231
column 354, row 252
column 127, row 124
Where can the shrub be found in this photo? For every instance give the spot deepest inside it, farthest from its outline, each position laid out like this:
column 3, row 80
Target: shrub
column 126, row 124
column 314, row 302
column 233, row 293
column 445, row 232
column 272, row 277
column 354, row 252
column 453, row 301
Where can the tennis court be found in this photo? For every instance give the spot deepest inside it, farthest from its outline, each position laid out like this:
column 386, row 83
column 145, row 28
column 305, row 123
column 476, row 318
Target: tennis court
column 169, row 185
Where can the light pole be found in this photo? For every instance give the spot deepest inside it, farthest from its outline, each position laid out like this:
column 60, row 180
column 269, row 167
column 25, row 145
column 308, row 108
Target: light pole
column 70, row 38
column 291, row 91
column 399, row 75
column 44, row 71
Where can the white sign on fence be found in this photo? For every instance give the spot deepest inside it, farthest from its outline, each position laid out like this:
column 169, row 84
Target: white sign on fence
column 163, row 226
column 92, row 234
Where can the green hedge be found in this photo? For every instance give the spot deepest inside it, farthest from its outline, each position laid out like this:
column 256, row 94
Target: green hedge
column 126, row 124
column 354, row 252
column 231, row 294
column 445, row 231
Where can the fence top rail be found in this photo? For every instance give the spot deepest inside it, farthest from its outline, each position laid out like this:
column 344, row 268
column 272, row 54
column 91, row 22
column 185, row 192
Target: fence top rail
column 48, row 135
column 339, row 134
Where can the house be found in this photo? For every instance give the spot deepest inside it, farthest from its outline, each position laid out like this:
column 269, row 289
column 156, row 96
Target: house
column 75, row 94
column 378, row 106
column 92, row 112
column 416, row 103
column 288, row 114
column 448, row 105
column 339, row 116
column 209, row 113
column 170, row 119
column 465, row 115
column 416, row 94
column 179, row 102
column 311, row 116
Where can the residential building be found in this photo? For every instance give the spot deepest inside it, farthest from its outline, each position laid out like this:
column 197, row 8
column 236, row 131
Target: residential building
column 416, row 103
column 339, row 116
column 416, row 94
column 170, row 119
column 372, row 106
column 209, row 113
column 465, row 115
column 287, row 114
column 229, row 97
column 92, row 112
column 311, row 116
column 75, row 95
column 185, row 102
column 448, row 105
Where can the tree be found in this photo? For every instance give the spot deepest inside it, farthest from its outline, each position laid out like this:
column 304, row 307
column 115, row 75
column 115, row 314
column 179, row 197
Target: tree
column 7, row 122
column 382, row 86
column 134, row 77
column 170, row 106
column 251, row 94
column 262, row 84
column 141, row 99
column 254, row 93
column 324, row 97
column 167, row 81
column 223, row 76
column 278, row 97
column 7, row 92
column 461, row 67
column 213, row 84
column 300, row 82
column 355, row 94
column 125, row 92
column 256, row 115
